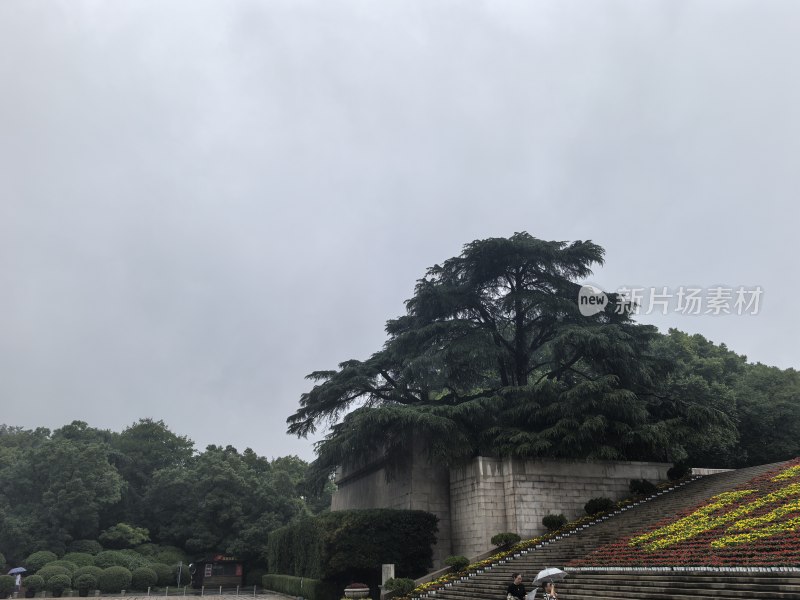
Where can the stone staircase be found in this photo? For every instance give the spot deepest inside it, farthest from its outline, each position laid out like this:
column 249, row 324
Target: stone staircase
column 491, row 584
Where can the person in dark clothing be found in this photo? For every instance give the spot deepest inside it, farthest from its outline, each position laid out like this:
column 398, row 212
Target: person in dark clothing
column 516, row 591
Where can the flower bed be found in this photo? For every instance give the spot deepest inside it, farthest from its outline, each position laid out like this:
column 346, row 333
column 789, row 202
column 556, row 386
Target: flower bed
column 756, row 524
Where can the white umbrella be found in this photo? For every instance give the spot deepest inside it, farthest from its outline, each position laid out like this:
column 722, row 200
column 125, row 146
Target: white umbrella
column 551, row 574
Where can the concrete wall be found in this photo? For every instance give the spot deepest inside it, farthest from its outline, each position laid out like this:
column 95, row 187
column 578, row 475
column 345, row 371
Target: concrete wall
column 490, row 495
column 485, row 496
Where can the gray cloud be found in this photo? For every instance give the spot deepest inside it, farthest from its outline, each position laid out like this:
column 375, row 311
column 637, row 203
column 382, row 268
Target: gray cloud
column 201, row 202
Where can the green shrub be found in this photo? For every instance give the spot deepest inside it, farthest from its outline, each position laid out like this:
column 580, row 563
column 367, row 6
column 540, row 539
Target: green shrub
column 39, row 559
column 135, row 560
column 6, row 585
column 164, row 573
column 2, row 560
column 401, row 586
column 598, row 505
column 678, row 471
column 92, row 571
column 48, row 571
column 114, row 579
column 311, row 589
column 33, row 582
column 143, row 578
column 554, row 522
column 253, row 576
column 641, row 487
column 87, row 581
column 505, row 539
column 86, row 546
column 170, row 557
column 79, row 559
column 457, row 562
column 68, row 565
column 58, row 583
column 147, row 549
column 112, row 558
column 333, row 544
column 124, row 535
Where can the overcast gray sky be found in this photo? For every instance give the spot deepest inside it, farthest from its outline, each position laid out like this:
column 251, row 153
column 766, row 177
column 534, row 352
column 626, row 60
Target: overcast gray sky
column 201, row 202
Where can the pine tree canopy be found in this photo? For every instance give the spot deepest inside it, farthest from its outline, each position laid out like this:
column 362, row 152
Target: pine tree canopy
column 494, row 357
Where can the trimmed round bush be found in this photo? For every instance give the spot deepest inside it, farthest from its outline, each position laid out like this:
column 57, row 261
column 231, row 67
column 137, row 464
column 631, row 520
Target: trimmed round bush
column 457, row 563
column 79, row 559
column 86, row 546
column 114, row 579
column 598, row 505
column 505, row 539
column 170, row 557
column 143, row 578
column 135, row 560
column 678, row 471
column 47, row 572
column 164, row 573
column 58, row 583
column 148, row 549
column 87, row 581
column 94, row 572
column 554, row 522
column 111, row 558
column 37, row 560
column 6, row 585
column 400, row 586
column 67, row 564
column 33, row 582
column 641, row 487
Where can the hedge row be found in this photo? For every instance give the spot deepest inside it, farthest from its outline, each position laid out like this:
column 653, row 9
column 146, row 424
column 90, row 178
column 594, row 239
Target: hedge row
column 332, row 544
column 312, row 589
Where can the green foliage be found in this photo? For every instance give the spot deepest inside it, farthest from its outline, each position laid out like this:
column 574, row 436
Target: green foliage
column 93, row 572
column 254, row 576
column 79, row 559
column 401, row 586
column 311, row 589
column 457, row 562
column 164, row 574
column 85, row 547
column 114, row 579
column 47, row 572
column 33, row 582
column 494, row 357
column 641, row 487
column 6, row 585
column 598, row 505
column 37, row 560
column 68, row 565
column 111, row 558
column 123, row 535
column 143, row 578
column 333, row 544
column 2, row 560
column 505, row 539
column 554, row 522
column 86, row 581
column 678, row 471
column 58, row 583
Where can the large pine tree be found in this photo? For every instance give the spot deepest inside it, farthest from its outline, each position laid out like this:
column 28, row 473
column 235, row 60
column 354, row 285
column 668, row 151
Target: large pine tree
column 493, row 356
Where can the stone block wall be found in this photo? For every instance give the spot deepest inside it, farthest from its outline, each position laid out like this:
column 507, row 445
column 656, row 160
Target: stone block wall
column 485, row 496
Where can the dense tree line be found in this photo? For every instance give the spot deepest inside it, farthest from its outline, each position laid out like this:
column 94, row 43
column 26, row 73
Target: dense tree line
column 495, row 357
column 145, row 484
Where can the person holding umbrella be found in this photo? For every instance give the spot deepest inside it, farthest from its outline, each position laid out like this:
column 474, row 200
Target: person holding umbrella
column 546, row 578
column 550, row 591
